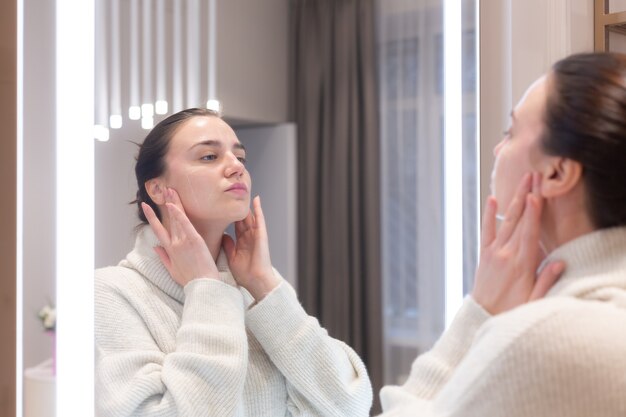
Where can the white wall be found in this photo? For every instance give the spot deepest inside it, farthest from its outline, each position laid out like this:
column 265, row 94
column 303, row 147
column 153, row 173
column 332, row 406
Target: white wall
column 115, row 185
column 39, row 174
column 271, row 152
column 520, row 40
column 252, row 59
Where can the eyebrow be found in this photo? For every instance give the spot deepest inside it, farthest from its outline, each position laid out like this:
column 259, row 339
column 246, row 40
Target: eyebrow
column 217, row 144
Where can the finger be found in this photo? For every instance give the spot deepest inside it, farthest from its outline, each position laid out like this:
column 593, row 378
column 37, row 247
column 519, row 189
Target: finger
column 259, row 217
column 530, row 231
column 249, row 220
column 180, row 222
column 155, row 224
column 536, row 187
column 175, row 199
column 240, row 228
column 514, row 211
column 229, row 247
column 547, row 278
column 165, row 258
column 488, row 233
column 174, row 226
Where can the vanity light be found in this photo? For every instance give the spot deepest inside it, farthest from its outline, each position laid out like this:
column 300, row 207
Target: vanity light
column 161, row 107
column 147, row 110
column 75, row 207
column 115, row 121
column 213, row 105
column 165, row 70
column 147, row 122
column 134, row 112
column 101, row 133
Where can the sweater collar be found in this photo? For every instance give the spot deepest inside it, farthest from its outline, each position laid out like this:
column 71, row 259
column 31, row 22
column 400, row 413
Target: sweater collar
column 144, row 259
column 594, row 260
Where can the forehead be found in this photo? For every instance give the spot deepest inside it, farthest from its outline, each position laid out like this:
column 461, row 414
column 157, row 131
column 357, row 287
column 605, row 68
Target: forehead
column 531, row 107
column 201, row 129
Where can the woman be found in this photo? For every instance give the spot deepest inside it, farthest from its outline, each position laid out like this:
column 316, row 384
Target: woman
column 565, row 354
column 184, row 328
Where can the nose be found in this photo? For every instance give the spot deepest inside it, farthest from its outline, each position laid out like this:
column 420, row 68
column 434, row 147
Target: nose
column 496, row 149
column 234, row 167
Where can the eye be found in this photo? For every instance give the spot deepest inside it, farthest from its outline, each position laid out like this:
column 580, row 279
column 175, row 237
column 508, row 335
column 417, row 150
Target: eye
column 209, row 157
column 507, row 133
column 242, row 159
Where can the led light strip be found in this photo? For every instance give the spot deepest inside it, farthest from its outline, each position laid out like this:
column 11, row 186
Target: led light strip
column 75, row 207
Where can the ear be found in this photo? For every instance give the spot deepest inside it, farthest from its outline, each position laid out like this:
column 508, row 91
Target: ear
column 559, row 176
column 156, row 190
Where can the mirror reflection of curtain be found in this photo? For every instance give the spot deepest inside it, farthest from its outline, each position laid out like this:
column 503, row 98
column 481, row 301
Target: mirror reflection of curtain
column 410, row 52
column 336, row 110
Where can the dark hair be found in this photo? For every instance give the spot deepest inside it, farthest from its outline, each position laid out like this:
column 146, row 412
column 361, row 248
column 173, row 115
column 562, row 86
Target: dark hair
column 586, row 121
column 151, row 156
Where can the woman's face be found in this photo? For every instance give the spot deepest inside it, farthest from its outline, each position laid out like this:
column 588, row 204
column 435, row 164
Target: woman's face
column 205, row 164
column 519, row 151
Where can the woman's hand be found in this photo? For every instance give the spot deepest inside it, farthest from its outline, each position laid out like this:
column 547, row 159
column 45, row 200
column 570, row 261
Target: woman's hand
column 506, row 276
column 249, row 258
column 183, row 252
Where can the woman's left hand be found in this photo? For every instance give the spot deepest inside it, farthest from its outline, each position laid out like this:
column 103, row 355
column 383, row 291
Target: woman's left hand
column 249, row 258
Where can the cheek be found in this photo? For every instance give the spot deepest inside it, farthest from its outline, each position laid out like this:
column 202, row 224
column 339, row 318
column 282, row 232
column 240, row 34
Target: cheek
column 193, row 192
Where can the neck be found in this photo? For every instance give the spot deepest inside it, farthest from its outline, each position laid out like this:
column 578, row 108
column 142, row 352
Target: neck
column 563, row 222
column 211, row 234
column 213, row 240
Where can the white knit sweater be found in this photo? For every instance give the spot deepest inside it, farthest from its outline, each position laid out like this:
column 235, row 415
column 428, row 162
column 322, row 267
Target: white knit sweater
column 562, row 356
column 208, row 350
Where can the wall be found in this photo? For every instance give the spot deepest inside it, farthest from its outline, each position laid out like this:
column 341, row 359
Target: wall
column 252, row 59
column 519, row 41
column 271, row 152
column 8, row 181
column 115, row 188
column 39, row 174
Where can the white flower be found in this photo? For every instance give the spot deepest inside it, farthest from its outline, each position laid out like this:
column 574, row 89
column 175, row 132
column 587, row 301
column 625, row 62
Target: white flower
column 48, row 316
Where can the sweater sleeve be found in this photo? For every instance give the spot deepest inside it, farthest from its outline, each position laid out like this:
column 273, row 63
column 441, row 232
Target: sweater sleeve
column 547, row 358
column 203, row 375
column 432, row 370
column 324, row 376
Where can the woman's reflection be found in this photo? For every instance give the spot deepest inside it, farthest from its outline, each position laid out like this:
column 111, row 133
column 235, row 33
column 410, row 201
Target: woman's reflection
column 194, row 323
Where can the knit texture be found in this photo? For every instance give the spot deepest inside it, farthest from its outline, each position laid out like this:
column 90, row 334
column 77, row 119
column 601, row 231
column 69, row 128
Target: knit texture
column 208, row 350
column 562, row 356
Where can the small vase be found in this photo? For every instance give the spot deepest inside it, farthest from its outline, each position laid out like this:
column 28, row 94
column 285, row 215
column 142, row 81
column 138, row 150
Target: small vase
column 53, row 339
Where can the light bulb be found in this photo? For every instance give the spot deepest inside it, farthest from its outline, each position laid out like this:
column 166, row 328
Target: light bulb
column 134, row 113
column 161, row 107
column 147, row 122
column 147, row 110
column 115, row 121
column 213, row 104
column 101, row 133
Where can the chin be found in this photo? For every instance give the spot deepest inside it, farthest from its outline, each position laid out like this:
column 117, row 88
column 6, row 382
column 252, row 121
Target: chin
column 239, row 215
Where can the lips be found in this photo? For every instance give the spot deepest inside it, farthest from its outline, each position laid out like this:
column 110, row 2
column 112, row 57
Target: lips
column 238, row 187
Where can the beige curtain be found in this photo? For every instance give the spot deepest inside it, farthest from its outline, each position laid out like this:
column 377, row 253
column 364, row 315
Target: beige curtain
column 335, row 107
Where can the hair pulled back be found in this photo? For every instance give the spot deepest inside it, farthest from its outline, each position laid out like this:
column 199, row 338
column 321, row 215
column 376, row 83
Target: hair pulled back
column 586, row 121
column 151, row 156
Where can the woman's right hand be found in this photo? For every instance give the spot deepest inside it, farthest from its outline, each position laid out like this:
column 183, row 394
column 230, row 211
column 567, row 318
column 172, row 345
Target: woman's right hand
column 506, row 276
column 183, row 252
